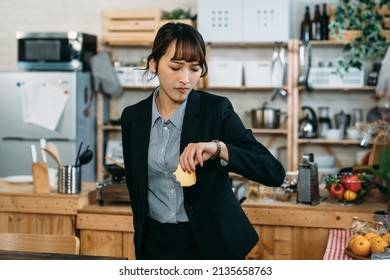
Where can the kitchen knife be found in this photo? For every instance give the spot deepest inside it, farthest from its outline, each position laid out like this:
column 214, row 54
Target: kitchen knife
column 34, row 153
column 43, row 145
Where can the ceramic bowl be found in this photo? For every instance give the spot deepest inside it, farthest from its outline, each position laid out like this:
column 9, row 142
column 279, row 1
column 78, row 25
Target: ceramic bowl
column 334, row 134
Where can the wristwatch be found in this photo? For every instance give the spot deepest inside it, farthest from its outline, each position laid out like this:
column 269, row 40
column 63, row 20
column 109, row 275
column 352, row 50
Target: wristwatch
column 218, row 152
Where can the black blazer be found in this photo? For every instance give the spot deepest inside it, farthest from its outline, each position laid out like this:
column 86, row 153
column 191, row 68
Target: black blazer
column 220, row 226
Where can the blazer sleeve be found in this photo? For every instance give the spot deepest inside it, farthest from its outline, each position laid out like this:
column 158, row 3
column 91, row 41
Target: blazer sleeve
column 247, row 156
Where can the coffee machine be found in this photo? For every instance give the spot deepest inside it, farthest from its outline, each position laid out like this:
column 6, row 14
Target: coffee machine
column 324, row 122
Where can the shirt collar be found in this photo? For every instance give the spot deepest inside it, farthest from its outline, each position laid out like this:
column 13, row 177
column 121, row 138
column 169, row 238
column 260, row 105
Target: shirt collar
column 176, row 119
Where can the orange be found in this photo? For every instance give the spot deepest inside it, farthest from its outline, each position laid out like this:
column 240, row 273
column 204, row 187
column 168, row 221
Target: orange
column 352, row 239
column 377, row 246
column 378, row 239
column 361, row 247
column 386, row 237
column 370, row 234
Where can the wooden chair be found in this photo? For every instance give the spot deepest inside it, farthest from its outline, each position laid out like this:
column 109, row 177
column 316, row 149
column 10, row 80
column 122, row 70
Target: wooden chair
column 44, row 243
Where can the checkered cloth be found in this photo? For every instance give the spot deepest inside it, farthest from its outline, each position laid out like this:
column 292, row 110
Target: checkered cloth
column 337, row 243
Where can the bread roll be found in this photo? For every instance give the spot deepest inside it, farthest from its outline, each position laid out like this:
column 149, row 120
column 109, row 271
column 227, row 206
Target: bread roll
column 184, row 178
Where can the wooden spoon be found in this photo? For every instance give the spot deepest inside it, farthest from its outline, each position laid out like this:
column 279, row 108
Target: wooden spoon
column 53, row 148
column 53, row 156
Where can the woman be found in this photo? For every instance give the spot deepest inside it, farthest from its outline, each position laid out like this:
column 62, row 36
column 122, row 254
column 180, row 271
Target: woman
column 200, row 131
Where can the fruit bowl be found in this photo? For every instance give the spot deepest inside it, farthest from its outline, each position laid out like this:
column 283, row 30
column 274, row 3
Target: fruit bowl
column 347, row 188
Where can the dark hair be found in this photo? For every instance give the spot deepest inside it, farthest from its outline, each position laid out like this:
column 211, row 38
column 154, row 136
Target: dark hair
column 190, row 46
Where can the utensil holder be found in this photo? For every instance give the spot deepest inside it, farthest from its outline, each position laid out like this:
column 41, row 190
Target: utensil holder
column 40, row 177
column 69, row 179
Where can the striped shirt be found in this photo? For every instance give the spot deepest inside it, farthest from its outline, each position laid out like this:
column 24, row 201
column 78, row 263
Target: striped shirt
column 165, row 195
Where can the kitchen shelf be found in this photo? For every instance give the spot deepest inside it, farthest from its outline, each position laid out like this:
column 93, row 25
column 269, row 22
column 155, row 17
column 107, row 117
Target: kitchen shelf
column 269, row 131
column 302, row 96
column 364, row 89
column 247, row 45
column 139, row 87
column 244, row 88
column 328, row 141
column 110, row 127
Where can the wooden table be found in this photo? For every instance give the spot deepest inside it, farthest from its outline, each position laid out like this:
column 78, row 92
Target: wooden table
column 15, row 255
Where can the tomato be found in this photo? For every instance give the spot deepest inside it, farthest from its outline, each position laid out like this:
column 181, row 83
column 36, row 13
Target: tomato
column 352, row 183
column 350, row 195
column 337, row 190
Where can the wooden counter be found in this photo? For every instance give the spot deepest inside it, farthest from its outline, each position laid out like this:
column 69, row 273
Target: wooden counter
column 23, row 211
column 287, row 230
column 291, row 231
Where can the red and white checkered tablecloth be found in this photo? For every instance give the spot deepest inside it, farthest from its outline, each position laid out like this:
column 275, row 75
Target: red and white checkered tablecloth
column 337, row 243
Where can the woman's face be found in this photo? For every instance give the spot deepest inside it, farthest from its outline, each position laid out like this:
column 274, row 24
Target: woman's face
column 177, row 77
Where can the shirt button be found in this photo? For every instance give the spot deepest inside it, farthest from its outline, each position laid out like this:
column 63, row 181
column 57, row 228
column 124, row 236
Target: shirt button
column 165, row 127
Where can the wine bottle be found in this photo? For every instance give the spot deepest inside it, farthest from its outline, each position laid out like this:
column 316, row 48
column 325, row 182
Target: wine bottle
column 306, row 34
column 316, row 24
column 324, row 23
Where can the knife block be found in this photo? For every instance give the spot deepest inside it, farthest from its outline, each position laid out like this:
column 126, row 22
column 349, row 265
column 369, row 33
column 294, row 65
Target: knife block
column 40, row 176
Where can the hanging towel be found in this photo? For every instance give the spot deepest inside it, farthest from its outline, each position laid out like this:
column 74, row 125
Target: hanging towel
column 104, row 77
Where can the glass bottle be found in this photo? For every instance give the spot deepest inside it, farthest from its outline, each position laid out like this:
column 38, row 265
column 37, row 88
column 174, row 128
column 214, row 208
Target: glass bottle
column 332, row 18
column 316, row 24
column 306, row 34
column 325, row 23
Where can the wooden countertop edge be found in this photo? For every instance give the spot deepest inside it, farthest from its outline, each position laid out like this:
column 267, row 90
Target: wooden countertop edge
column 21, row 199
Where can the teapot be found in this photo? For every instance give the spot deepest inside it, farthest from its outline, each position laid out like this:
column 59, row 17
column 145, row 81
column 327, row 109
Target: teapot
column 308, row 124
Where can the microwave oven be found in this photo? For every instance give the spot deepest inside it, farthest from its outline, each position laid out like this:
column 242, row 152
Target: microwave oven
column 55, row 51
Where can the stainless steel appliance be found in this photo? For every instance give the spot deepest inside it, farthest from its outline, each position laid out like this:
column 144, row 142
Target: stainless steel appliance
column 55, row 51
column 308, row 183
column 324, row 121
column 75, row 124
column 308, row 124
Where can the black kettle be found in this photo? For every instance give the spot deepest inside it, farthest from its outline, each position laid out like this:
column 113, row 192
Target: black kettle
column 308, row 124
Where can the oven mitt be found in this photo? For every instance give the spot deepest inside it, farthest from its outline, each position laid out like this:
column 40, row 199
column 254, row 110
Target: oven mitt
column 383, row 85
column 104, row 77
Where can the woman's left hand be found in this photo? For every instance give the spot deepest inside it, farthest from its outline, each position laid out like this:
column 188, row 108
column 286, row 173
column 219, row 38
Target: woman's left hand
column 197, row 153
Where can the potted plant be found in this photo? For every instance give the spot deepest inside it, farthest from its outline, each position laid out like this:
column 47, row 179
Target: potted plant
column 363, row 19
column 179, row 15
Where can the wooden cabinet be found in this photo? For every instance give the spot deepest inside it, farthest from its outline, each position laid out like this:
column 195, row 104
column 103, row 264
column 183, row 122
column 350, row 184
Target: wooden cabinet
column 106, row 231
column 23, row 211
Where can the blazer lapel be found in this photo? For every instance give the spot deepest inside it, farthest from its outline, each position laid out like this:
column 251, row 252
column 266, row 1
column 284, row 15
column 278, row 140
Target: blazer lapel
column 191, row 120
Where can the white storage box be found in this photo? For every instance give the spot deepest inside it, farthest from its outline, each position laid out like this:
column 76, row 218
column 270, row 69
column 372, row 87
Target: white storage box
column 266, row 21
column 142, row 78
column 257, row 73
column 327, row 77
column 244, row 20
column 225, row 73
column 220, row 20
column 125, row 76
